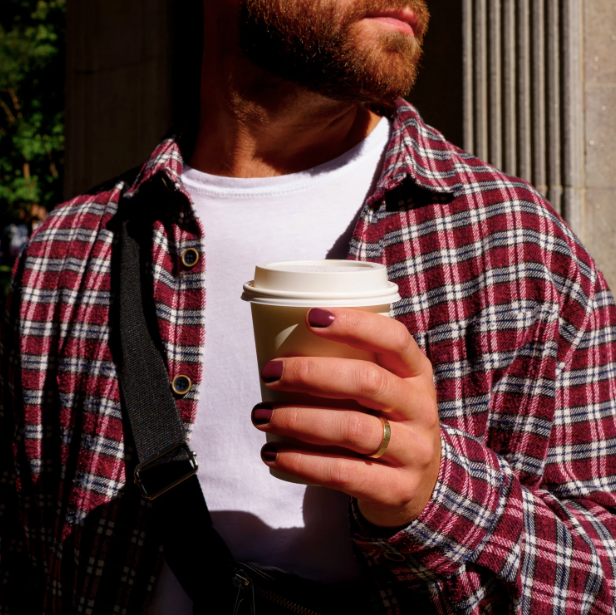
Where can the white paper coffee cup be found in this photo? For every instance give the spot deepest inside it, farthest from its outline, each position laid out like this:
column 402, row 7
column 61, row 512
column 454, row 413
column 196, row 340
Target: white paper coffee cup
column 281, row 294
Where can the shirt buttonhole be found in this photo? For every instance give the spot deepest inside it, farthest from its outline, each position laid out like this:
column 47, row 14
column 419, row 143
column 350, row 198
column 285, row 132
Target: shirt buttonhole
column 395, row 557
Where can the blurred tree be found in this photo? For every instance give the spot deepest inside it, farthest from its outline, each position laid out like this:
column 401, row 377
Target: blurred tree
column 31, row 106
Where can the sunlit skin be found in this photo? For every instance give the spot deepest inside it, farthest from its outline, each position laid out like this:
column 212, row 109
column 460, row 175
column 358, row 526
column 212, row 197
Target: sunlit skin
column 393, row 490
column 255, row 125
column 247, row 116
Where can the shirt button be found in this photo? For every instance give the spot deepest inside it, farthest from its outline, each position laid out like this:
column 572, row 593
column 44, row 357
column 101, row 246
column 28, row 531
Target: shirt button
column 190, row 257
column 181, row 385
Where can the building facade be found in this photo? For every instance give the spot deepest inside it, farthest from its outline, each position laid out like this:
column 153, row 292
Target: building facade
column 528, row 85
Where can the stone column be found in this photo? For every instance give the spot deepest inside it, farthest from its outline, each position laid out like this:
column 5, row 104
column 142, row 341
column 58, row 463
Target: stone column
column 600, row 98
column 119, row 86
column 523, row 91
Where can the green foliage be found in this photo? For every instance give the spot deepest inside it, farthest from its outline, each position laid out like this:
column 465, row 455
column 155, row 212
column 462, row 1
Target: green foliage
column 31, row 105
column 5, row 283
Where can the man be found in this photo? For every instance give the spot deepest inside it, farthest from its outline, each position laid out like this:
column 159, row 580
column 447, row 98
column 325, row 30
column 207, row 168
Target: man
column 496, row 492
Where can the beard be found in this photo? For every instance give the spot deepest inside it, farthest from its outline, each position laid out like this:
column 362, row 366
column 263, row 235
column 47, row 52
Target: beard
column 316, row 44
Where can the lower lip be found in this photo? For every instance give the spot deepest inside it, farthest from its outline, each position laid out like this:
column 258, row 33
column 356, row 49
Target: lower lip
column 392, row 22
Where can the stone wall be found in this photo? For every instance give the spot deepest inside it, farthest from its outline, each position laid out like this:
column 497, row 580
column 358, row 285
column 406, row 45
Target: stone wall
column 600, row 126
column 542, row 108
column 118, row 88
column 438, row 91
column 121, row 82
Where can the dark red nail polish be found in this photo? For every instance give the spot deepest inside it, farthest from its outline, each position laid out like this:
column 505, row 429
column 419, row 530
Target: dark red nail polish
column 320, row 318
column 269, row 452
column 272, row 371
column 262, row 414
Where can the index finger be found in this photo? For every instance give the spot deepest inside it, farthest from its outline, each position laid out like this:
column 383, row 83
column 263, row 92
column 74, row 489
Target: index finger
column 388, row 339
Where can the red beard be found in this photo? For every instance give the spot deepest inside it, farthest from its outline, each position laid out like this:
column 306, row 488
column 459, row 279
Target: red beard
column 315, row 44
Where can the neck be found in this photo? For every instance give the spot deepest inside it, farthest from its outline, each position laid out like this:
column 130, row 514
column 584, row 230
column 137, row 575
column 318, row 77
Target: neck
column 254, row 125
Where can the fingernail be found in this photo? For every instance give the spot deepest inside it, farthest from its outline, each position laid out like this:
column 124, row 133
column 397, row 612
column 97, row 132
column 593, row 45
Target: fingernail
column 272, row 371
column 269, row 452
column 320, row 318
column 262, row 414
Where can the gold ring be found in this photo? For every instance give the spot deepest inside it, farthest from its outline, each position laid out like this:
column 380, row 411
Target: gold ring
column 384, row 441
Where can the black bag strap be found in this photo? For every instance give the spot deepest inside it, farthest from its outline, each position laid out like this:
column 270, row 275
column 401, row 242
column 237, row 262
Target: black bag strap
column 166, row 470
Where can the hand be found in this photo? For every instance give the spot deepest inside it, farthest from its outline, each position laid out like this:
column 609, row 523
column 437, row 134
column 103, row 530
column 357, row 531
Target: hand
column 332, row 443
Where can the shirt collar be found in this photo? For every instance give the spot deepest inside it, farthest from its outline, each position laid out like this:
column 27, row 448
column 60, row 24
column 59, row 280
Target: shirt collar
column 415, row 150
column 418, row 152
column 165, row 159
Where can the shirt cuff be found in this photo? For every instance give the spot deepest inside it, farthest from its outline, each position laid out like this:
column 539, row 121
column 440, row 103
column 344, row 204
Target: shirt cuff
column 475, row 498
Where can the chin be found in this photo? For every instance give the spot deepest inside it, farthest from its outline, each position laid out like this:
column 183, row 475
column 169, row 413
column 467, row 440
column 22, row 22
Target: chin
column 386, row 47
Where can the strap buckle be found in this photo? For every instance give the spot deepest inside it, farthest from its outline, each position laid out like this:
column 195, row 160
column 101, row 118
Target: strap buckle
column 164, row 476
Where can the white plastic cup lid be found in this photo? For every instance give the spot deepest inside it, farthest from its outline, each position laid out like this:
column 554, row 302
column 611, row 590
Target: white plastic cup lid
column 324, row 283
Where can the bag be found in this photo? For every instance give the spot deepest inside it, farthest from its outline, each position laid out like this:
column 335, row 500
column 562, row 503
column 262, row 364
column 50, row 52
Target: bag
column 276, row 592
column 166, row 474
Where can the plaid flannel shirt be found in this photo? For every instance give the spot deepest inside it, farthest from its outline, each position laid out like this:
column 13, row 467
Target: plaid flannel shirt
column 518, row 323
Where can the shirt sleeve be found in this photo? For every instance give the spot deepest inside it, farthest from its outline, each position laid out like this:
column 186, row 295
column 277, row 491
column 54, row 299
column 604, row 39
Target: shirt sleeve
column 491, row 540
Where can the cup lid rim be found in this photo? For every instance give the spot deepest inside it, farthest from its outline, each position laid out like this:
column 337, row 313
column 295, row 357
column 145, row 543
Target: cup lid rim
column 387, row 294
column 326, row 264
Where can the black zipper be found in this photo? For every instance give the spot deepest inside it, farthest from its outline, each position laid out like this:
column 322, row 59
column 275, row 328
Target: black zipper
column 245, row 593
column 283, row 602
column 247, row 589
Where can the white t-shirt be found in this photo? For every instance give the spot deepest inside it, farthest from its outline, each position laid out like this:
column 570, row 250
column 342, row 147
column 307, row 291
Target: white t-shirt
column 307, row 215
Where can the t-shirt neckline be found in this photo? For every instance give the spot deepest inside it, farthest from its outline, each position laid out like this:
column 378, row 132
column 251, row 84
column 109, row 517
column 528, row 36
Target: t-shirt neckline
column 234, row 187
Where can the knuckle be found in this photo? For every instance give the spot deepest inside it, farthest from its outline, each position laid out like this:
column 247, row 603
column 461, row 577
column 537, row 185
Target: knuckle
column 355, row 430
column 427, row 404
column 341, row 474
column 404, row 493
column 301, row 371
column 293, row 463
column 426, row 366
column 289, row 419
column 432, row 420
column 426, row 450
column 401, row 489
column 372, row 380
column 401, row 339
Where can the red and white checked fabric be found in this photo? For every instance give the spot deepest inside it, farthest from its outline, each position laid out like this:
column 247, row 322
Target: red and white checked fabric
column 510, row 308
